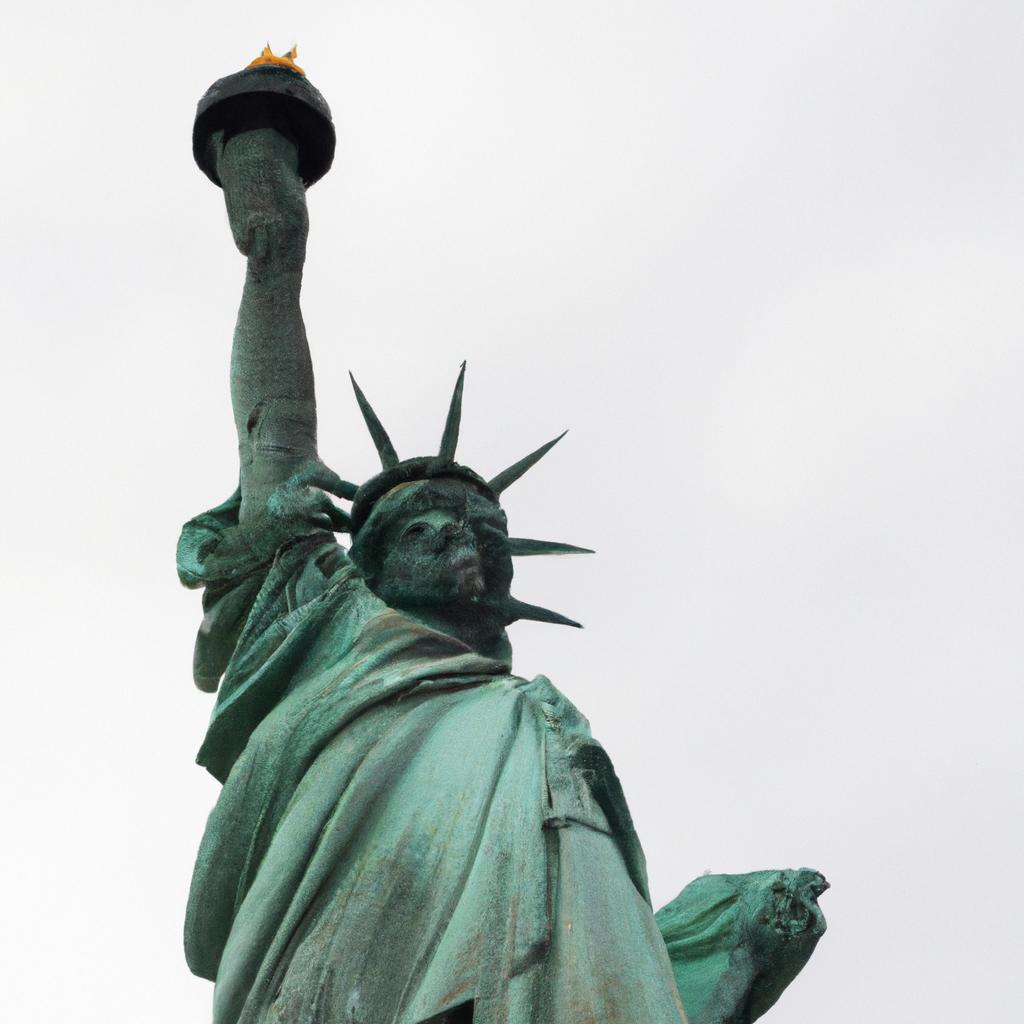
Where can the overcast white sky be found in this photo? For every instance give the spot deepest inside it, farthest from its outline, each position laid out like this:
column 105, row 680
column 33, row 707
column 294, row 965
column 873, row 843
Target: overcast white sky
column 764, row 259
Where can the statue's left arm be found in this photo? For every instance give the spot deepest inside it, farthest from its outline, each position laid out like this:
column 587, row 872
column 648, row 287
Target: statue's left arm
column 737, row 941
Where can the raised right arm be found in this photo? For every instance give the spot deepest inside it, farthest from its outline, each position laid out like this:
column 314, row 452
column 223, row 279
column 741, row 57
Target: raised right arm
column 272, row 391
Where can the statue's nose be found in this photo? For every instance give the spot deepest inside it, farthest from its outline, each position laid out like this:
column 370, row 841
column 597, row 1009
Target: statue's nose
column 455, row 535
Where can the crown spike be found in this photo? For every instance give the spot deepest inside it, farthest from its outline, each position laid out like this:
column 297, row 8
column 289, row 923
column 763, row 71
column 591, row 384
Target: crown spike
column 525, row 546
column 450, row 438
column 509, row 476
column 385, row 449
column 521, row 610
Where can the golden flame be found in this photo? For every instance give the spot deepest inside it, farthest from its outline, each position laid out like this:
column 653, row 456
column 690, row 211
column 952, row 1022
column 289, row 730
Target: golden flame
column 286, row 60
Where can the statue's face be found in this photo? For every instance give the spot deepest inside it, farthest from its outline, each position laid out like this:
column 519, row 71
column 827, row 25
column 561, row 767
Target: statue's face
column 443, row 546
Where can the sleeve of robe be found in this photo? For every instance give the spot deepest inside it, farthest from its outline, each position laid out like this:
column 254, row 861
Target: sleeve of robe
column 249, row 603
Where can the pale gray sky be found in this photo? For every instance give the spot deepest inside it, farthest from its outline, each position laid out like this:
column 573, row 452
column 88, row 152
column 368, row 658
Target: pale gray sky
column 762, row 258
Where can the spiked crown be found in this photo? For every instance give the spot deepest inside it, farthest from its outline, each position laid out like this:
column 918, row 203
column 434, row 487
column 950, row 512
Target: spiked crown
column 396, row 471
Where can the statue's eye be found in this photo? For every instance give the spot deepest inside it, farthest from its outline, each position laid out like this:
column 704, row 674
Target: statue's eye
column 414, row 531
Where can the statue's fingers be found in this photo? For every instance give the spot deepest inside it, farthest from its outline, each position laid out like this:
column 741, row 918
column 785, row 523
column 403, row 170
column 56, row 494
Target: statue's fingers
column 341, row 521
column 331, row 482
column 320, row 507
column 323, row 477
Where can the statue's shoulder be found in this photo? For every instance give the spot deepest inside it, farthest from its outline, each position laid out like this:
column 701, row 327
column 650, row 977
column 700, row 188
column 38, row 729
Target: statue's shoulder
column 560, row 712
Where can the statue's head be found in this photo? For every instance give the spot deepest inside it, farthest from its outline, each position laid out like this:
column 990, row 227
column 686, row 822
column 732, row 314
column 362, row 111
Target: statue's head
column 435, row 542
column 431, row 538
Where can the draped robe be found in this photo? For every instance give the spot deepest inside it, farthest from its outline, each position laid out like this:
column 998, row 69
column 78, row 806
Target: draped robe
column 405, row 828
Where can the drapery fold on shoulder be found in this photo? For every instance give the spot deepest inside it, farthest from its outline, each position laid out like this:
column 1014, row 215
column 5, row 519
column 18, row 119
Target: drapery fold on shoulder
column 214, row 553
column 231, row 584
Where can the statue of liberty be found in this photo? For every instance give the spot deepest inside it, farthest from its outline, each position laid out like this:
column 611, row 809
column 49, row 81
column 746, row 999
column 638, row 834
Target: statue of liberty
column 407, row 831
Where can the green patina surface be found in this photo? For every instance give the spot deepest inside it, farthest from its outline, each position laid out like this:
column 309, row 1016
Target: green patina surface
column 407, row 831
column 736, row 941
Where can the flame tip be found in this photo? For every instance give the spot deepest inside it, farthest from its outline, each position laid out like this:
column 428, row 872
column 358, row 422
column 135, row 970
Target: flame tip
column 286, row 60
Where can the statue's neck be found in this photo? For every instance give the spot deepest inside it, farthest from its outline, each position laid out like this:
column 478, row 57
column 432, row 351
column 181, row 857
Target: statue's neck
column 476, row 628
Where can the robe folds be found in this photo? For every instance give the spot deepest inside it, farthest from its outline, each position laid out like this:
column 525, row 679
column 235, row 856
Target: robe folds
column 405, row 828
